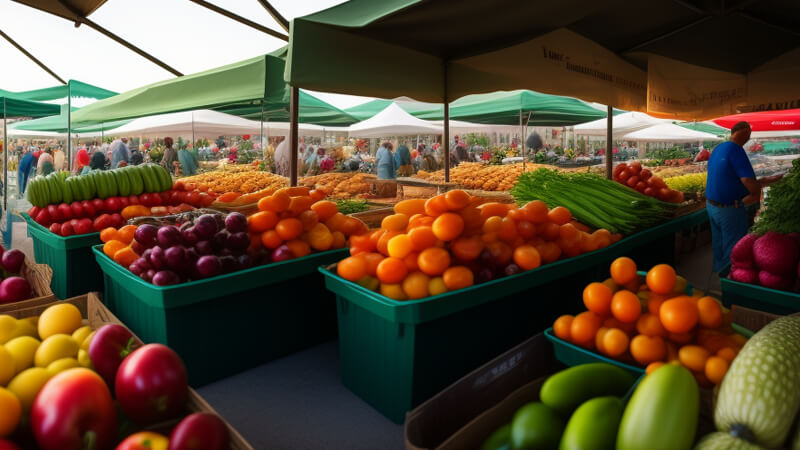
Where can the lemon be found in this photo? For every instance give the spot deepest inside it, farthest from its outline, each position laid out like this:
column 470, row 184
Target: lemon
column 10, row 412
column 25, row 328
column 87, row 341
column 62, row 318
column 54, row 348
column 436, row 286
column 84, row 360
column 393, row 291
column 27, row 384
column 8, row 367
column 81, row 333
column 22, row 349
column 33, row 320
column 8, row 325
column 62, row 364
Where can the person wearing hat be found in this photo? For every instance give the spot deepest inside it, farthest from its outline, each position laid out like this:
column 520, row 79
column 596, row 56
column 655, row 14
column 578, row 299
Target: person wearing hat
column 402, row 159
column 731, row 188
column 26, row 166
column 170, row 155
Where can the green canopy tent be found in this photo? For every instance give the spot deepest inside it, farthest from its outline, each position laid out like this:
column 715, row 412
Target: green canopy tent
column 60, row 124
column 417, row 109
column 705, row 128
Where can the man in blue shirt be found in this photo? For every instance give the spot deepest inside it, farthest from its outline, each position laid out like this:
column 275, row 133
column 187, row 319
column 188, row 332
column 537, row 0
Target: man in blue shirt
column 730, row 188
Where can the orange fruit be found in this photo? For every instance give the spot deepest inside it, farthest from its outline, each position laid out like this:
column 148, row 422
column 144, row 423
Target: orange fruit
column 125, row 256
column 108, row 234
column 419, row 220
column 467, row 249
column 654, row 303
column 561, row 327
column 325, row 209
column 494, row 209
column 457, row 277
column 352, row 268
column 299, row 204
column 399, row 246
column 277, row 202
column 625, row 306
column 319, row 238
column 508, row 230
column 568, row 232
column 727, row 353
column 584, row 327
column 680, row 338
column 411, row 261
column 317, row 195
column 628, row 328
column 309, row 219
column 715, row 369
column 456, row 199
column 598, row 339
column 549, row 251
column 661, row 279
column 650, row 325
column 336, row 222
column 371, row 261
column 679, row 314
column 422, row 238
column 623, row 270
column 709, row 312
column 693, row 357
column 416, row 285
column 410, row 207
column 448, row 226
column 289, row 229
column 535, row 211
column 271, row 239
column 435, row 206
column 492, row 224
column 125, row 234
column 559, row 215
column 525, row 229
column 527, row 257
column 615, row 342
column 10, row 413
column 597, row 298
column 391, row 270
column 383, row 242
column 549, row 231
column 395, row 222
column 112, row 247
column 263, row 221
column 436, row 286
column 611, row 285
column 299, row 248
column 652, row 367
column 393, row 291
column 501, row 253
column 647, row 349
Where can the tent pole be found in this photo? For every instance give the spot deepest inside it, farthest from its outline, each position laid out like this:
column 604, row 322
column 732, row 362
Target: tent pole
column 261, row 137
column 6, row 152
column 69, row 125
column 609, row 143
column 140, row 139
column 293, row 118
column 522, row 139
column 446, row 135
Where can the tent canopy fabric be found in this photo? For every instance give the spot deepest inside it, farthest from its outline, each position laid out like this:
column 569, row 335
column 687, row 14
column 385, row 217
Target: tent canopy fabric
column 784, row 120
column 415, row 108
column 392, row 121
column 13, row 106
column 623, row 124
column 238, row 88
column 65, row 8
column 461, row 127
column 669, row 132
column 563, row 48
column 59, row 124
column 73, row 88
column 202, row 123
column 705, row 128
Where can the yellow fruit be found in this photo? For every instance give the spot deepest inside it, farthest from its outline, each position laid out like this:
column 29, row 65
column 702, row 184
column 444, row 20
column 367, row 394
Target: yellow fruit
column 62, row 364
column 81, row 334
column 23, row 350
column 54, row 348
column 27, row 385
column 680, row 285
column 83, row 359
column 10, row 412
column 62, row 318
column 8, row 366
column 436, row 286
column 87, row 341
column 393, row 291
column 33, row 320
column 26, row 328
column 8, row 325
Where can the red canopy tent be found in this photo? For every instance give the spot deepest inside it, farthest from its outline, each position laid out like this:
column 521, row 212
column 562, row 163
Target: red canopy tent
column 783, row 120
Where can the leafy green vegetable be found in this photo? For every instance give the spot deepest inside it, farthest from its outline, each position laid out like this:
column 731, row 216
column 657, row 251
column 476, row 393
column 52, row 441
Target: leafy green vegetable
column 351, row 206
column 782, row 212
column 593, row 200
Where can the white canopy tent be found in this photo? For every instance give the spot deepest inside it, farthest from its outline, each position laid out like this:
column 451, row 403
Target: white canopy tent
column 623, row 123
column 188, row 124
column 392, row 121
column 461, row 127
column 669, row 132
column 774, row 134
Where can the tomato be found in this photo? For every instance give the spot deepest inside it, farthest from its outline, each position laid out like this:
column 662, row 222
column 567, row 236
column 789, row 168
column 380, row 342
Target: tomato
column 8, row 445
column 65, row 210
column 84, row 226
column 193, row 198
column 144, row 440
column 133, row 200
column 55, row 228
column 99, row 205
column 66, row 229
column 71, row 405
column 88, row 209
column 109, row 347
column 146, row 200
column 200, row 431
column 151, row 384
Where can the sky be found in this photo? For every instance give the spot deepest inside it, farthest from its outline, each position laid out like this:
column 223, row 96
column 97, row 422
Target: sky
column 181, row 33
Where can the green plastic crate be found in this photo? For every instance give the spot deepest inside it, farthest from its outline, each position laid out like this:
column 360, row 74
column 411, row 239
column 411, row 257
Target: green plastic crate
column 75, row 271
column 572, row 355
column 223, row 325
column 757, row 297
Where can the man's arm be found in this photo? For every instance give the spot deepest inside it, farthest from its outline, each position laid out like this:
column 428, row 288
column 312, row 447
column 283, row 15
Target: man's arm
column 754, row 187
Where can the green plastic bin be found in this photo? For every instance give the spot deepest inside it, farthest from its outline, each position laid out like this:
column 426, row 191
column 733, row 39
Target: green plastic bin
column 75, row 271
column 757, row 297
column 224, row 325
column 572, row 355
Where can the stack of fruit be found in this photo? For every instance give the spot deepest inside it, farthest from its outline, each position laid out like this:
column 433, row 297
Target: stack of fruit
column 635, row 177
column 692, row 182
column 340, row 185
column 652, row 322
column 14, row 287
column 88, row 203
column 771, row 260
column 57, row 376
column 452, row 241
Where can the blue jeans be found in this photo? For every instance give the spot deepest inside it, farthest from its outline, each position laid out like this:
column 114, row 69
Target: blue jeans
column 728, row 225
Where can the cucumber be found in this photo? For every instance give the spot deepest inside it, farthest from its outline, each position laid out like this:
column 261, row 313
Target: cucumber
column 663, row 411
column 123, row 182
column 55, row 192
column 149, row 183
column 74, row 185
column 66, row 193
column 102, row 192
column 724, row 441
column 165, row 176
column 499, row 440
column 111, row 184
column 45, row 187
column 32, row 193
column 58, row 182
column 135, row 175
column 593, row 425
column 567, row 389
column 536, row 425
column 760, row 394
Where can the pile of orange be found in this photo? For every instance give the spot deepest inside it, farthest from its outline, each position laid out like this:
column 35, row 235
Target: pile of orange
column 454, row 240
column 652, row 321
column 117, row 244
column 302, row 220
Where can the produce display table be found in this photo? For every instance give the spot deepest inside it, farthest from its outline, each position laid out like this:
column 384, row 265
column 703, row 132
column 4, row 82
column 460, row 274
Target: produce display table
column 75, row 271
column 396, row 354
column 224, row 325
column 416, row 182
column 757, row 297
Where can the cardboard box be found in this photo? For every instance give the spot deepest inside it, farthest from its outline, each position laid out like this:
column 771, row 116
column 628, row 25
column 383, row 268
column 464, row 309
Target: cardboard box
column 467, row 412
column 97, row 315
column 39, row 276
column 752, row 319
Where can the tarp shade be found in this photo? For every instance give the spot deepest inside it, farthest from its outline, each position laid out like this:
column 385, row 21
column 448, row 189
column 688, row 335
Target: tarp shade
column 565, row 48
column 705, row 128
column 237, row 88
column 622, row 124
column 784, row 120
column 668, row 132
column 393, row 121
column 62, row 7
column 202, row 123
column 416, row 109
column 13, row 106
column 59, row 123
column 74, row 88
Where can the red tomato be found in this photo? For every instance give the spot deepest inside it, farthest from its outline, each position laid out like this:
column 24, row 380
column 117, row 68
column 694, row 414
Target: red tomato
column 623, row 175
column 193, row 198
column 66, row 229
column 34, row 211
column 88, row 209
column 84, row 226
column 77, row 209
column 645, row 174
column 631, row 182
column 133, row 200
column 71, row 405
column 641, row 186
column 99, row 205
column 163, row 198
column 200, row 431
column 43, row 218
column 102, row 221
column 112, row 204
column 649, row 192
column 117, row 221
column 55, row 228
column 123, row 202
column 8, row 445
column 151, row 384
column 55, row 214
column 146, row 199
column 65, row 210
